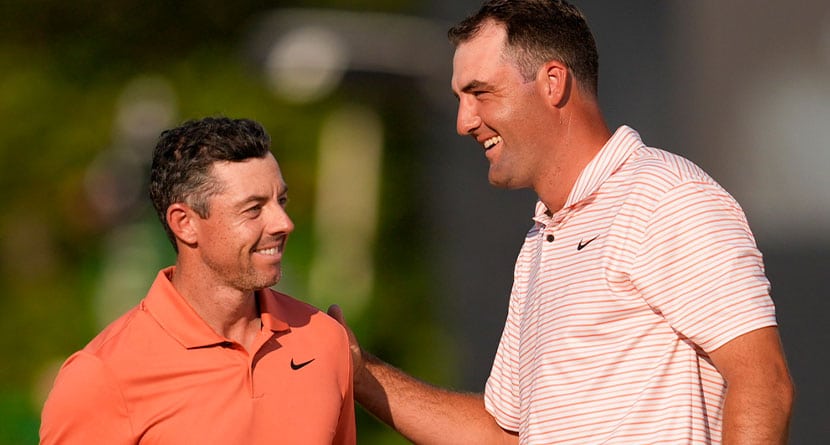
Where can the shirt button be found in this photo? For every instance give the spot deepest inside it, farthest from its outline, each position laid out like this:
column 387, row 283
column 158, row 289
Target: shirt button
column 550, row 238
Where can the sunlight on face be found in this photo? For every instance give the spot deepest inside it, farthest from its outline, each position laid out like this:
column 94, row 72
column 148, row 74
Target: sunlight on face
column 242, row 240
column 499, row 108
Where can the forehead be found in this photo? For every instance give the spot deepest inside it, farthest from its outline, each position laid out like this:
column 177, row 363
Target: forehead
column 251, row 176
column 479, row 57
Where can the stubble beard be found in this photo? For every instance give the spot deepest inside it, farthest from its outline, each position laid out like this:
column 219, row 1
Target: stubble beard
column 255, row 280
column 249, row 279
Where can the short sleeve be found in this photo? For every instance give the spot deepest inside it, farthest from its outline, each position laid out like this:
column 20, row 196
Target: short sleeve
column 501, row 394
column 699, row 266
column 85, row 406
column 346, row 433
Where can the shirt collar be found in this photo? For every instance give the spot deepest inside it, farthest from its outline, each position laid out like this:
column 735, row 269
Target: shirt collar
column 612, row 155
column 274, row 313
column 175, row 315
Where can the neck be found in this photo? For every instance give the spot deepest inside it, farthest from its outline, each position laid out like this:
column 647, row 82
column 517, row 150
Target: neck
column 232, row 313
column 582, row 134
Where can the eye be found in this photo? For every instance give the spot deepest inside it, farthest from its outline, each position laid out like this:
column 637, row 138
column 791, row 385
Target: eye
column 254, row 210
column 283, row 200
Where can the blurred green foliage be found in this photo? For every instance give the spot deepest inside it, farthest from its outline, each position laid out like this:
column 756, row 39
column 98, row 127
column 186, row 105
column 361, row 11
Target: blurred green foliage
column 63, row 68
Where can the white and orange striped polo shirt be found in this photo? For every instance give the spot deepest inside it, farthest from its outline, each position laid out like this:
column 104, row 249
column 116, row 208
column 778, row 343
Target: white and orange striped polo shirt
column 618, row 297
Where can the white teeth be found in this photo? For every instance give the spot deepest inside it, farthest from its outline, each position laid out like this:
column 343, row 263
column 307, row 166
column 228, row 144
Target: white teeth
column 271, row 251
column 491, row 142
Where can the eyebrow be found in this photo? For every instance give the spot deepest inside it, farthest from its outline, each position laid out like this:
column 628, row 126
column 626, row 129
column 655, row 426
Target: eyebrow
column 473, row 85
column 261, row 198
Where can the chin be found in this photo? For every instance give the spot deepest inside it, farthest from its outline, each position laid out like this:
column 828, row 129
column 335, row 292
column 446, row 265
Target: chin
column 262, row 281
column 508, row 183
column 272, row 281
column 498, row 182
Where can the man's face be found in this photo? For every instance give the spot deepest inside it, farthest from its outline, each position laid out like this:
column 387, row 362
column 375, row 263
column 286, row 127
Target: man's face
column 499, row 108
column 242, row 240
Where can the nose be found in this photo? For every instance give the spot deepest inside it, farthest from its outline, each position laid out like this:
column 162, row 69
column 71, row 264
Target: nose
column 280, row 222
column 468, row 118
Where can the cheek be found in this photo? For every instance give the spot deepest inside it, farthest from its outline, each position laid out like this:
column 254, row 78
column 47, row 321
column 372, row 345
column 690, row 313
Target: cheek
column 228, row 233
column 500, row 117
column 529, row 119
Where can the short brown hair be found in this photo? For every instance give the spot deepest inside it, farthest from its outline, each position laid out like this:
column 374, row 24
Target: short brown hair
column 539, row 31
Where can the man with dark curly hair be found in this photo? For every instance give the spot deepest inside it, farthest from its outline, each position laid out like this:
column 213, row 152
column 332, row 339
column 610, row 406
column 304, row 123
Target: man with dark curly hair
column 212, row 354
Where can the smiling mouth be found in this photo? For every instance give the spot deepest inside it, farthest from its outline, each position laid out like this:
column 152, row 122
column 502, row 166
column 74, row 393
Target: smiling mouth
column 489, row 143
column 271, row 251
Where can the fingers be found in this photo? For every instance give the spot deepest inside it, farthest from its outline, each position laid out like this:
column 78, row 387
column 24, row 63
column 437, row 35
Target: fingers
column 336, row 313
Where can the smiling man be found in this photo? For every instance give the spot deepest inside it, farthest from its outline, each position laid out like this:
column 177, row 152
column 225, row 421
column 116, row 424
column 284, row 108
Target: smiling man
column 212, row 354
column 640, row 313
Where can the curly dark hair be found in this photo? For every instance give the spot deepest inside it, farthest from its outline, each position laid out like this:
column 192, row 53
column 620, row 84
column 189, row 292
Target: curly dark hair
column 184, row 156
column 539, row 31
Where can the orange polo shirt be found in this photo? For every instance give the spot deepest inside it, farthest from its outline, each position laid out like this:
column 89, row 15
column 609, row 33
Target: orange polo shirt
column 161, row 375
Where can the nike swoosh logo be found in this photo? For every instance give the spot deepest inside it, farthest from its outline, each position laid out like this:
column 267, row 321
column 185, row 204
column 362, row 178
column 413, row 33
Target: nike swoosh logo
column 296, row 366
column 582, row 244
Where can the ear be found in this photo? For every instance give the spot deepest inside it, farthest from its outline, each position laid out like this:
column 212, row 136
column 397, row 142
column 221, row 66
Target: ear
column 557, row 83
column 182, row 221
